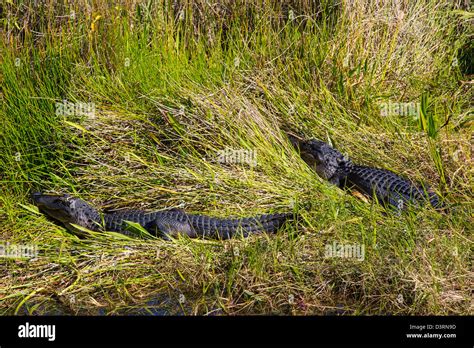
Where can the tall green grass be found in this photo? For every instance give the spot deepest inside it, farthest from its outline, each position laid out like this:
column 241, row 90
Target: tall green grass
column 174, row 83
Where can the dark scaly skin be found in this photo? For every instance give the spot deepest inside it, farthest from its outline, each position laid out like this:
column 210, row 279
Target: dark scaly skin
column 388, row 187
column 69, row 210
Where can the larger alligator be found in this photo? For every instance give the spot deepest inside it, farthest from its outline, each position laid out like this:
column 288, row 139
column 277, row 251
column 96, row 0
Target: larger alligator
column 69, row 210
column 388, row 187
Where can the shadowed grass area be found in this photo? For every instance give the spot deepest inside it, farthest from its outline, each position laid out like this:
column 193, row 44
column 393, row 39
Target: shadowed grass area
column 176, row 83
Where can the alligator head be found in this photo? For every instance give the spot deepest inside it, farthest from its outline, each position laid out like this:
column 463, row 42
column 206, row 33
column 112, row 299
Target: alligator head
column 67, row 210
column 329, row 163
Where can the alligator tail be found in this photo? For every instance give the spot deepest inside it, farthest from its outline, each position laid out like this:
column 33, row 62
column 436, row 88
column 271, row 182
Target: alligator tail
column 226, row 228
column 435, row 200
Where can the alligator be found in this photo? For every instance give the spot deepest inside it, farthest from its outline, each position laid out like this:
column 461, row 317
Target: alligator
column 168, row 223
column 387, row 187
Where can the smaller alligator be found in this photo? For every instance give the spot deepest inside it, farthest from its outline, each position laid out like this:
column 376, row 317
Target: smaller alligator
column 388, row 187
column 70, row 210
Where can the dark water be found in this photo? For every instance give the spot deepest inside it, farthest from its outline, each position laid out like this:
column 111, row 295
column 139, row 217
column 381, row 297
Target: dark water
column 160, row 305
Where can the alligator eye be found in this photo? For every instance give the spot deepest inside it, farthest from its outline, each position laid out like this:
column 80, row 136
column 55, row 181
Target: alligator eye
column 308, row 158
